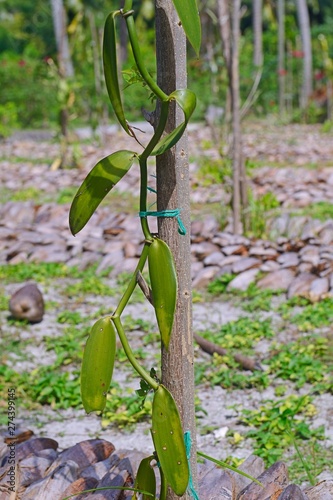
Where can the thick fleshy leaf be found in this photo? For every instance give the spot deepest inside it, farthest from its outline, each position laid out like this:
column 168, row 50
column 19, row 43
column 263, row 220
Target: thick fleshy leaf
column 163, row 280
column 111, row 69
column 168, row 440
column 189, row 16
column 145, row 479
column 187, row 100
column 100, row 180
column 97, row 365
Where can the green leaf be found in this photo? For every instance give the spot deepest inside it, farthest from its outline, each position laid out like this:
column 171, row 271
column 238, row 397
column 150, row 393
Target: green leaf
column 97, row 365
column 100, row 180
column 163, row 280
column 186, row 99
column 168, row 440
column 145, row 478
column 188, row 13
column 111, row 69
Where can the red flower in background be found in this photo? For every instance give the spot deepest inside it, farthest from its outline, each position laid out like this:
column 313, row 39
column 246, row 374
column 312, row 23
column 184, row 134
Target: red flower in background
column 299, row 54
column 282, row 72
column 21, row 63
column 319, row 75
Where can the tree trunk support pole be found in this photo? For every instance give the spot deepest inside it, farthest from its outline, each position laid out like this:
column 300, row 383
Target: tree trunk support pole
column 173, row 191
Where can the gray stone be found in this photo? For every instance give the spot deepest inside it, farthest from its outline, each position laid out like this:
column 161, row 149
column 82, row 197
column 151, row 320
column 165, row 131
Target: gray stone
column 295, row 226
column 203, row 249
column 274, row 479
column 238, row 249
column 288, row 259
column 321, row 491
column 27, row 303
column 54, row 484
column 214, row 259
column 310, row 253
column 244, row 264
column 301, row 285
column 318, row 288
column 243, row 280
column 253, row 466
column 265, row 253
column 205, row 276
column 277, row 280
column 215, row 483
column 269, row 265
column 292, row 492
column 85, row 453
column 110, row 260
column 32, row 469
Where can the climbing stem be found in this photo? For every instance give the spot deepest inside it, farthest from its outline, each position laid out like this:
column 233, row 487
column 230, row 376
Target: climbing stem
column 128, row 14
column 132, row 284
column 130, row 356
column 143, row 166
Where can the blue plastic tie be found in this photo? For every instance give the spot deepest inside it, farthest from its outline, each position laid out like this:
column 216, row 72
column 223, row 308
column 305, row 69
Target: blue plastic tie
column 188, row 445
column 167, row 213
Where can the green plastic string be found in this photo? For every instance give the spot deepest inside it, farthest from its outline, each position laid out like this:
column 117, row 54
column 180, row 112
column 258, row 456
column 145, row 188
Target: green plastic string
column 188, row 445
column 167, row 213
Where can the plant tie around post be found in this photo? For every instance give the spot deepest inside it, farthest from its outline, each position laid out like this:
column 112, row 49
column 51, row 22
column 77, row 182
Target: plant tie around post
column 188, row 445
column 167, row 213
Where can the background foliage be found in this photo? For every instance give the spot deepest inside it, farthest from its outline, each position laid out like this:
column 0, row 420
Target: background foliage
column 34, row 91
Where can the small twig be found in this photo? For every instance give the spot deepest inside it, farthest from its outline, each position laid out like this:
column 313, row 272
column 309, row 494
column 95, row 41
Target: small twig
column 210, row 348
column 144, row 287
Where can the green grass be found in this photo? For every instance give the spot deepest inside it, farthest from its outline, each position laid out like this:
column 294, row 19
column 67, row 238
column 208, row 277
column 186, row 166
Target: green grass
column 276, row 424
column 321, row 210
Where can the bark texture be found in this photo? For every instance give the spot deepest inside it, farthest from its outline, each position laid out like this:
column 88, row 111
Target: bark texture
column 173, row 191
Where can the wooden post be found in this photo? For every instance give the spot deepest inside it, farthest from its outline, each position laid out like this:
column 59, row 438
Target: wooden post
column 173, row 191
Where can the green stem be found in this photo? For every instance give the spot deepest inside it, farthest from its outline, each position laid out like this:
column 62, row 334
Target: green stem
column 138, row 57
column 127, row 5
column 143, row 166
column 164, row 485
column 129, row 353
column 132, row 284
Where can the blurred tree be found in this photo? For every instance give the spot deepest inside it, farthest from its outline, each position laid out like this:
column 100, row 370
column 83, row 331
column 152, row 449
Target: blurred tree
column 304, row 25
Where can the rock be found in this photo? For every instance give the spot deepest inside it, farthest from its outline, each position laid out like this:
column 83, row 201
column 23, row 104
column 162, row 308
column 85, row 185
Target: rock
column 32, row 447
column 300, row 286
column 27, row 303
column 244, row 264
column 274, row 479
column 277, row 280
column 205, row 276
column 322, row 491
column 32, row 469
column 265, row 253
column 292, row 492
column 54, row 484
column 254, row 466
column 288, row 259
column 85, row 453
column 203, row 249
column 269, row 266
column 215, row 483
column 78, row 486
column 243, row 280
column 214, row 259
column 238, row 249
column 310, row 253
column 318, row 288
column 112, row 478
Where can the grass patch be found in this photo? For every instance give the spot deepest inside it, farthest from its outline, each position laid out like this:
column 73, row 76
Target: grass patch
column 321, row 210
column 241, row 334
column 313, row 315
column 301, row 362
column 276, row 425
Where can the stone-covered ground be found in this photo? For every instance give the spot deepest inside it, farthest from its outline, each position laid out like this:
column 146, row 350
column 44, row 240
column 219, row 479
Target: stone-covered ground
column 270, row 297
